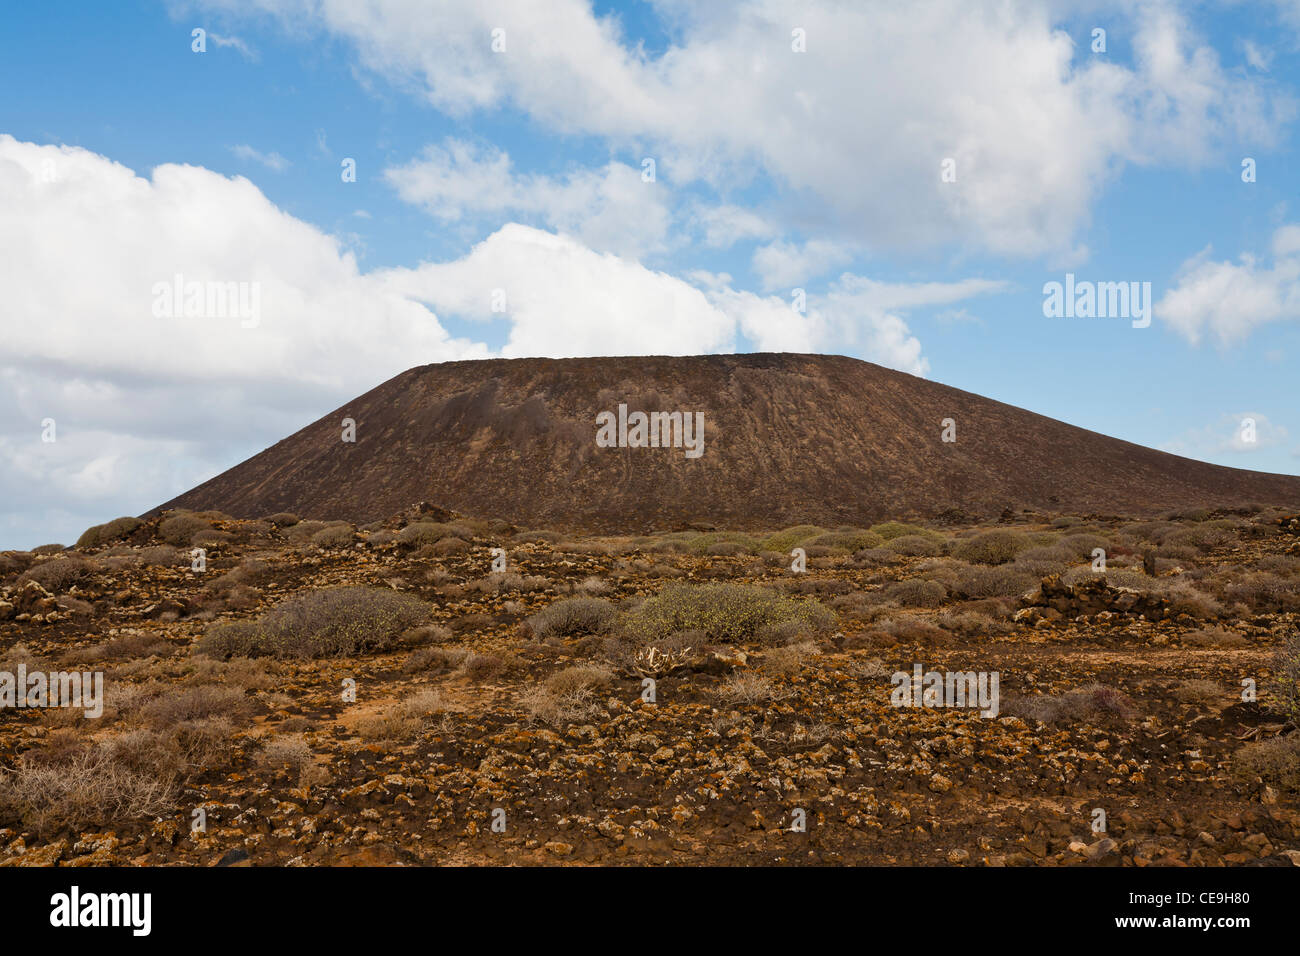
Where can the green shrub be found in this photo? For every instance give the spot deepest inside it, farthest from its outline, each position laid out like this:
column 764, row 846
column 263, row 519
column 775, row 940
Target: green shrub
column 847, row 540
column 423, row 533
column 725, row 612
column 991, row 547
column 179, row 529
column 784, row 541
column 916, row 545
column 889, row 530
column 326, row 623
column 101, row 534
column 573, row 617
column 335, row 536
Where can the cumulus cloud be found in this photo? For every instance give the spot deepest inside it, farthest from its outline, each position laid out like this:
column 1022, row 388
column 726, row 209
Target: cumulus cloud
column 610, row 209
column 997, row 87
column 1229, row 300
column 784, row 264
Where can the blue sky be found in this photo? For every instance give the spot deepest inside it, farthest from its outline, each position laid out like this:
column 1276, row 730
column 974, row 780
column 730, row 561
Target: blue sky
column 126, row 157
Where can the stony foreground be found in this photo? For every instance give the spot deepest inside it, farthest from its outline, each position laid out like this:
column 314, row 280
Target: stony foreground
column 485, row 732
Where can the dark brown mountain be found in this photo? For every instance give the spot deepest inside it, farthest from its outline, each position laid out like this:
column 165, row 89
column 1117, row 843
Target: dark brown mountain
column 788, row 439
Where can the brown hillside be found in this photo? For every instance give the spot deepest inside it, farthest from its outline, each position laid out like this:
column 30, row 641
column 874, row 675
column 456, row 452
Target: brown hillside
column 788, row 438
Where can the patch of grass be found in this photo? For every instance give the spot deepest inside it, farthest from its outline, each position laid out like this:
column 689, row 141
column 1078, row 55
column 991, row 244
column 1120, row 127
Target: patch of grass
column 327, row 623
column 747, row 688
column 588, row 677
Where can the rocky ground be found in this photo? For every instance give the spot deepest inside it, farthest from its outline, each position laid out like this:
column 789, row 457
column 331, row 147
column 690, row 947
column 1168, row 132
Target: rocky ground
column 501, row 716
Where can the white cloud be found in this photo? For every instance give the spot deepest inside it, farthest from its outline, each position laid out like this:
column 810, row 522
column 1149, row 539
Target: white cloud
column 1036, row 125
column 1232, row 433
column 563, row 299
column 783, row 265
column 609, row 209
column 273, row 161
column 233, row 42
column 1229, row 300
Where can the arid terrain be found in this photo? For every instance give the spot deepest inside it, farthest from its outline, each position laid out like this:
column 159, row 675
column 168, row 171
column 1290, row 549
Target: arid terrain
column 328, row 693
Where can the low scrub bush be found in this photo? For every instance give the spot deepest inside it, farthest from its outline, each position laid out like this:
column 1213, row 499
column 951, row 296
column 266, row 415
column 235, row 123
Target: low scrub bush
column 326, row 623
column 725, row 612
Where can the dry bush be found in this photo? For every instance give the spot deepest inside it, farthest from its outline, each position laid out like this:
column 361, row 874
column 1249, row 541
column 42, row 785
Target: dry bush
column 202, row 702
column 1275, row 761
column 593, row 587
column 1083, row 703
column 48, row 549
column 289, row 751
column 333, row 537
column 481, row 667
column 916, row 593
column 1214, row 637
column 1286, row 671
column 163, row 555
column 211, row 539
column 423, row 533
column 876, row 558
column 102, row 534
column 970, row 624
column 747, row 688
column 582, row 677
column 913, row 630
column 59, row 574
column 573, row 617
column 325, row 623
column 498, row 581
column 123, row 647
column 1264, row 592
column 789, row 660
column 558, row 709
column 380, row 539
column 136, row 775
column 180, row 528
column 283, row 519
column 1201, row 537
column 991, row 547
column 1198, row 691
column 916, row 545
column 727, row 613
column 426, row 634
column 435, row 659
column 978, row 581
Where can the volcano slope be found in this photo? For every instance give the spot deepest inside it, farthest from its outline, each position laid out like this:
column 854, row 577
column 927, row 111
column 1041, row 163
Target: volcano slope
column 787, row 438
